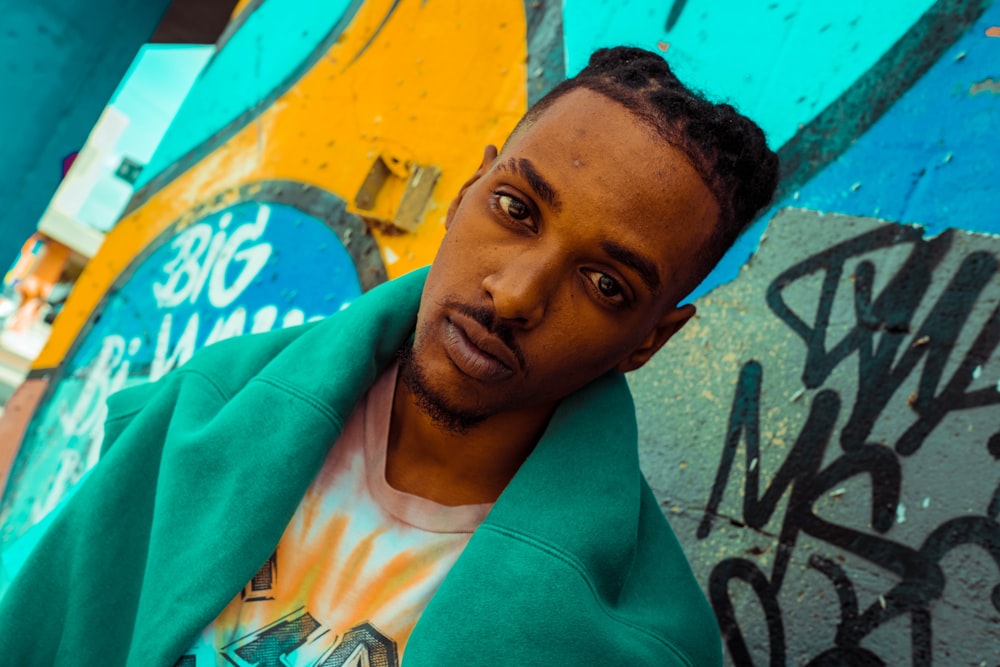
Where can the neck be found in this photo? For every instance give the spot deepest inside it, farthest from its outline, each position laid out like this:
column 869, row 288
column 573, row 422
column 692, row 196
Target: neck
column 431, row 461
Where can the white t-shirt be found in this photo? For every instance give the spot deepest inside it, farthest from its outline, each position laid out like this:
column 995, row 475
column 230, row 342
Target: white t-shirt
column 354, row 569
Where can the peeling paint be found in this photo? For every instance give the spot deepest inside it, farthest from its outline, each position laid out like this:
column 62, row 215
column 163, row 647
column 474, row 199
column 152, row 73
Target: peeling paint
column 988, row 85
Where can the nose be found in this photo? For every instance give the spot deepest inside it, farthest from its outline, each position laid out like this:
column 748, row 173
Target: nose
column 519, row 290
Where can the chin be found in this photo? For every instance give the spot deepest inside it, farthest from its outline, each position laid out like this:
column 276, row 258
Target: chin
column 435, row 404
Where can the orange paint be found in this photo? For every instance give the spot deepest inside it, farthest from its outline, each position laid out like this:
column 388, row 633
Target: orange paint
column 17, row 414
column 993, row 32
column 238, row 9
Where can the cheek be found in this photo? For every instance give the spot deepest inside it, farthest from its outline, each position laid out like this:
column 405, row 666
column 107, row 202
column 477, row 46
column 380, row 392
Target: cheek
column 611, row 343
column 583, row 349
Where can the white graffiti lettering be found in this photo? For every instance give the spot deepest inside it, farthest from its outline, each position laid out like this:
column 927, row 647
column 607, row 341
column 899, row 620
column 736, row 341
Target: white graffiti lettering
column 209, row 267
column 206, row 258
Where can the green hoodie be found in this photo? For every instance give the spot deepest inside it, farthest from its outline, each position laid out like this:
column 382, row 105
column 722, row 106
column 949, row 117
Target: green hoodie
column 575, row 564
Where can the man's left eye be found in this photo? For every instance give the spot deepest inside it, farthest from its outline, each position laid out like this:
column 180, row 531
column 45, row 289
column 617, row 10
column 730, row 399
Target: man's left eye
column 513, row 207
column 608, row 286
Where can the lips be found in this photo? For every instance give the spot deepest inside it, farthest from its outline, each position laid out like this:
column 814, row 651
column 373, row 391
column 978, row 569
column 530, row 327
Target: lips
column 477, row 352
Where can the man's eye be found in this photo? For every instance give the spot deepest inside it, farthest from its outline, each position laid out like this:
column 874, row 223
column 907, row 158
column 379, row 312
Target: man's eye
column 513, row 207
column 608, row 286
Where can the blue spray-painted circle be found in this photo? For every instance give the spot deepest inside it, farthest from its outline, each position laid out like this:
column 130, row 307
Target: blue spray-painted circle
column 252, row 267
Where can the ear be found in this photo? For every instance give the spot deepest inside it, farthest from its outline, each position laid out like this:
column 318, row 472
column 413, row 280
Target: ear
column 489, row 155
column 670, row 324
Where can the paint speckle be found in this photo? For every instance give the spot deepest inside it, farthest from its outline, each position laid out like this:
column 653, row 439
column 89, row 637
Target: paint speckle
column 856, row 187
column 920, row 342
column 390, row 256
column 881, row 601
column 663, row 46
column 926, row 502
column 900, row 513
column 797, row 395
column 976, row 372
column 991, row 86
column 753, row 464
column 836, row 493
column 993, row 32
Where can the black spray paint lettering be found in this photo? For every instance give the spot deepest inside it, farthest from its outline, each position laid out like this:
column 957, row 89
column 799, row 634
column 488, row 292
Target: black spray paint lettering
column 802, row 475
column 890, row 316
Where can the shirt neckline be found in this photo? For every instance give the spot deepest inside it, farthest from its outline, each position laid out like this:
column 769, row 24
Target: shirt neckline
column 411, row 509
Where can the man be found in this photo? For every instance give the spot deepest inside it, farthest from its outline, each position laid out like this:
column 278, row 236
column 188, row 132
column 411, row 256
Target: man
column 482, row 502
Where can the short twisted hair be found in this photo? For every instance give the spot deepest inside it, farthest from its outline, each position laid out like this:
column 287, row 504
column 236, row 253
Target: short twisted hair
column 727, row 149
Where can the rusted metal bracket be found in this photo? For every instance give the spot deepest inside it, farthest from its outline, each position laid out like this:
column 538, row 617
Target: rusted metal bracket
column 379, row 200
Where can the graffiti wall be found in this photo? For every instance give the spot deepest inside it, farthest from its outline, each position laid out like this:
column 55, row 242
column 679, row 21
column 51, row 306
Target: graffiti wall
column 824, row 436
column 833, row 462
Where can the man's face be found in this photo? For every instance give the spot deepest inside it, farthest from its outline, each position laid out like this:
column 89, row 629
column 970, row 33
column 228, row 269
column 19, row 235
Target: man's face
column 565, row 257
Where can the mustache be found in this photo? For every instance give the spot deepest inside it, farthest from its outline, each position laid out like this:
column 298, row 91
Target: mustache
column 488, row 318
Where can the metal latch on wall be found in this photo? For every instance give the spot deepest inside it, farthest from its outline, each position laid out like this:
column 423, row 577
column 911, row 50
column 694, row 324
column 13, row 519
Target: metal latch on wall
column 396, row 191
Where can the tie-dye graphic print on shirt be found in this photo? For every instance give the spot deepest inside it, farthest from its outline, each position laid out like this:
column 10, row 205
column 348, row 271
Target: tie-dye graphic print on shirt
column 354, row 569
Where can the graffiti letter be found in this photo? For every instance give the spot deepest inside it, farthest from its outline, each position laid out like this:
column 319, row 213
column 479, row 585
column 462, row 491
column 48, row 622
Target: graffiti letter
column 163, row 361
column 185, row 268
column 253, row 259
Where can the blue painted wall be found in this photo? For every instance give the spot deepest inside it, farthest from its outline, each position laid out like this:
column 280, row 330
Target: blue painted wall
column 238, row 270
column 932, row 159
column 780, row 62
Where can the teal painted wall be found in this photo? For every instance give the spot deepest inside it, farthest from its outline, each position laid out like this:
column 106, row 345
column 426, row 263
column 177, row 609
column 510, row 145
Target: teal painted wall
column 781, row 62
column 60, row 62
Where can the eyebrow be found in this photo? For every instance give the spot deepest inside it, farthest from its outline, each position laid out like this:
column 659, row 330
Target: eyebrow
column 642, row 265
column 544, row 190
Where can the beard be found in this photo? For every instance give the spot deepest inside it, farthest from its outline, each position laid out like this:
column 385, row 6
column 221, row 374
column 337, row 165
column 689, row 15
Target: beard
column 431, row 402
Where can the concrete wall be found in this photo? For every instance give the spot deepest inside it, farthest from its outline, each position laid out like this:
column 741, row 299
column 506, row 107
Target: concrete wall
column 60, row 63
column 823, row 437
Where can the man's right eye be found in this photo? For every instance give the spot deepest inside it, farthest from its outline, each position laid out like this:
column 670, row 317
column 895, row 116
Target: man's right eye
column 513, row 207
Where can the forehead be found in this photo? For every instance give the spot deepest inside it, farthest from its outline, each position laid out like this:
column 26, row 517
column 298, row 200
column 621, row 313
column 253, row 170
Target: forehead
column 614, row 177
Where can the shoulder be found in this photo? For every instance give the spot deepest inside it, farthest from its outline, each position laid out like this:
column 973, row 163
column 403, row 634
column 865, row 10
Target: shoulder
column 218, row 371
column 231, row 363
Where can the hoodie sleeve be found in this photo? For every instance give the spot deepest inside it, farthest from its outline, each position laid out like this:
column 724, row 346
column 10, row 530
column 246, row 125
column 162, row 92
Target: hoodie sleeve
column 73, row 602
